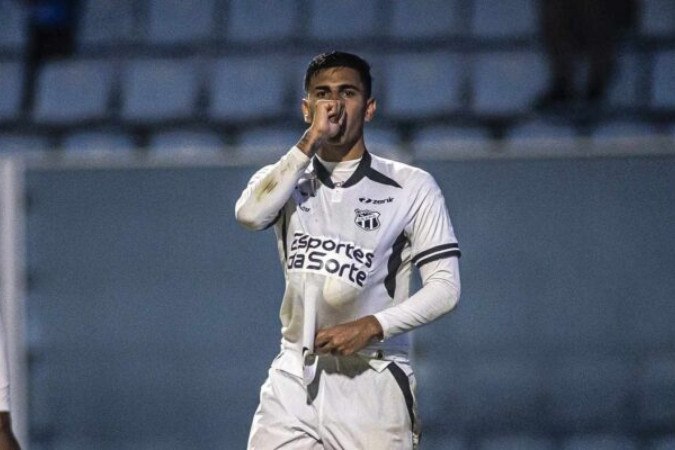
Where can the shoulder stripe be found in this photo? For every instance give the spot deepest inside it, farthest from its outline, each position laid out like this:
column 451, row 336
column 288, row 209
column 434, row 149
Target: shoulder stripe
column 438, row 248
column 379, row 177
column 436, row 257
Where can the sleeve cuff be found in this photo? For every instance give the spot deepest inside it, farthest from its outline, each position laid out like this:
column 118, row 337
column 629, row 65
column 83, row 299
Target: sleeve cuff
column 386, row 328
column 298, row 156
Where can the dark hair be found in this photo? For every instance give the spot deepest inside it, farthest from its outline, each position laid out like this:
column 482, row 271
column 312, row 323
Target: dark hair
column 340, row 59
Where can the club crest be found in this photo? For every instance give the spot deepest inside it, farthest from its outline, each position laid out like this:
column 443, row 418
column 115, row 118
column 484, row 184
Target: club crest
column 367, row 219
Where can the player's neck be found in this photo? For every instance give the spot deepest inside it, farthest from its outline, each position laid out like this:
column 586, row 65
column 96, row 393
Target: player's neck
column 338, row 154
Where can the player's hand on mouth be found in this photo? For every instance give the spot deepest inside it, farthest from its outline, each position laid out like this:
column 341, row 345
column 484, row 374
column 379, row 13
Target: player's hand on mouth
column 327, row 121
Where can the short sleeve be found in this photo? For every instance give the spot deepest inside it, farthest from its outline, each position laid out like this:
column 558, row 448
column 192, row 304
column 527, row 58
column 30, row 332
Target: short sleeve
column 432, row 235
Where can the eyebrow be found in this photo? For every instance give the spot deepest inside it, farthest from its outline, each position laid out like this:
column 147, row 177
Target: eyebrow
column 340, row 87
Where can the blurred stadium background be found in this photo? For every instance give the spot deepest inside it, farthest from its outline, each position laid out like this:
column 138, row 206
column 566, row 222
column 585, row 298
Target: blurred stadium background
column 140, row 316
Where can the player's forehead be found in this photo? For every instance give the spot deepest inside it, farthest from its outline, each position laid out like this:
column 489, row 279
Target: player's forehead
column 335, row 77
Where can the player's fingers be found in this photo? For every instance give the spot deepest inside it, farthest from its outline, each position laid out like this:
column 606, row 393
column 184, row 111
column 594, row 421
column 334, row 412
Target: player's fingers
column 322, row 341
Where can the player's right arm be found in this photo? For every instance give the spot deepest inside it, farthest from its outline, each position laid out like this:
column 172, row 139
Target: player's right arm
column 271, row 187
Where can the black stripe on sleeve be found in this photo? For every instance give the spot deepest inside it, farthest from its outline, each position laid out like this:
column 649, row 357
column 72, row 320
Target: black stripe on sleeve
column 438, row 248
column 437, row 256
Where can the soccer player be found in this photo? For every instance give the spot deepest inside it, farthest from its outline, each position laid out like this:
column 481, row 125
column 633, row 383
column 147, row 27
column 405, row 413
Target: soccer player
column 349, row 227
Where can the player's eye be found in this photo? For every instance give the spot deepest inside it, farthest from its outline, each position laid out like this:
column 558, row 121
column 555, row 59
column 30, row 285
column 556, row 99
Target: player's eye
column 348, row 93
column 320, row 94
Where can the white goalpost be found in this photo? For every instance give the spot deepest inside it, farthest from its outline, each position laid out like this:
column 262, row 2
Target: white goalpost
column 12, row 290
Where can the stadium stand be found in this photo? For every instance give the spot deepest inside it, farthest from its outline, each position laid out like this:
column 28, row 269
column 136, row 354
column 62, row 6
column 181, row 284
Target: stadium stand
column 658, row 18
column 12, row 26
column 242, row 91
column 336, row 20
column 663, row 91
column 423, row 84
column 452, row 142
column 11, row 85
column 98, row 145
column 435, row 19
column 29, row 146
column 265, row 145
column 507, row 83
column 541, row 137
column 160, row 90
column 105, row 23
column 181, row 22
column 249, row 23
column 504, row 20
column 71, row 92
column 185, row 144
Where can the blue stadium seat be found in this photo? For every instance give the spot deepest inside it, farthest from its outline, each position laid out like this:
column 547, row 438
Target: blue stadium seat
column 540, row 137
column 508, row 82
column 337, row 20
column 516, row 442
column 12, row 25
column 657, row 391
column 658, row 18
column 420, row 85
column 257, row 22
column 385, row 142
column 155, row 90
column 663, row 83
column 107, row 23
column 185, row 144
column 515, row 18
column 266, row 145
column 247, row 88
column 427, row 19
column 178, row 21
column 11, row 85
column 588, row 391
column 599, row 442
column 73, row 91
column 452, row 142
column 98, row 145
column 21, row 145
column 624, row 89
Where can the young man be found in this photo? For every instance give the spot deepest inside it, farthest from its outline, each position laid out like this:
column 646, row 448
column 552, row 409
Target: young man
column 349, row 227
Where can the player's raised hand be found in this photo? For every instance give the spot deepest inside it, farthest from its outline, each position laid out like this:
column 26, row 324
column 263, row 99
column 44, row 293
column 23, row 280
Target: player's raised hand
column 326, row 118
column 347, row 338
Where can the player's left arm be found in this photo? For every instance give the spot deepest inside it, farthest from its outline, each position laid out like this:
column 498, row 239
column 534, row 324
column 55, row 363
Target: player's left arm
column 435, row 253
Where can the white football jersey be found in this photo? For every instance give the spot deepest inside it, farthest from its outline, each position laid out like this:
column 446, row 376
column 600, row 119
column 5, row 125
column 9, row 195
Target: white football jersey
column 347, row 251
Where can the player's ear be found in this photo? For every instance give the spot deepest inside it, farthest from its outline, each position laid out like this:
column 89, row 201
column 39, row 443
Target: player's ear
column 306, row 111
column 371, row 107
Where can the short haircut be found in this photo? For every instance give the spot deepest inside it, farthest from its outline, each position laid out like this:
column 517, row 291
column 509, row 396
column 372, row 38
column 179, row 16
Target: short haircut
column 340, row 59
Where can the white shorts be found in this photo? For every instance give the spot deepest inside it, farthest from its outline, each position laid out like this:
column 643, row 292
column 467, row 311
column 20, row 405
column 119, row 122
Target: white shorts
column 348, row 405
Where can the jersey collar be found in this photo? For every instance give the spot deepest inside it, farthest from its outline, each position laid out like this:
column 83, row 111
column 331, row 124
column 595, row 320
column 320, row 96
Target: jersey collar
column 360, row 172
